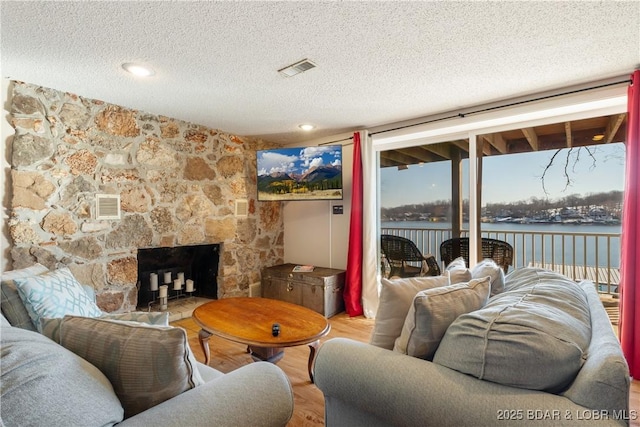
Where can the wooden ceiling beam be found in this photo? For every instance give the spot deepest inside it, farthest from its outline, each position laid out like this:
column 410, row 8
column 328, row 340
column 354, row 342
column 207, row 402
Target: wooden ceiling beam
column 462, row 144
column 497, row 141
column 612, row 127
column 568, row 135
column 532, row 138
column 388, row 163
column 421, row 154
column 441, row 150
column 579, row 138
column 576, row 133
column 398, row 157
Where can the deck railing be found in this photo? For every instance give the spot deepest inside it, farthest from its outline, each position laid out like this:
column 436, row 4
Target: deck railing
column 591, row 256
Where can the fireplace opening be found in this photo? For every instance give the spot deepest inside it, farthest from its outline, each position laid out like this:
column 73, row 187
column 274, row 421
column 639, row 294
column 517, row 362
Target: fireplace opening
column 197, row 263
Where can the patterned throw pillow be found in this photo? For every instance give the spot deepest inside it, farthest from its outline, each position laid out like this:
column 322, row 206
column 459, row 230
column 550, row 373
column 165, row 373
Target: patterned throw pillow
column 55, row 294
column 146, row 364
column 12, row 306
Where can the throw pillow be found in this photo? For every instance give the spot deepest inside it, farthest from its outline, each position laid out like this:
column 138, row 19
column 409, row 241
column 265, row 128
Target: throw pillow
column 458, row 271
column 146, row 364
column 534, row 337
column 433, row 310
column 395, row 300
column 148, row 317
column 55, row 294
column 46, row 384
column 12, row 306
column 488, row 267
column 50, row 327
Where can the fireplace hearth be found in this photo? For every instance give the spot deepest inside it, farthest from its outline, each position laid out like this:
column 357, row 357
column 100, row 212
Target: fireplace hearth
column 197, row 263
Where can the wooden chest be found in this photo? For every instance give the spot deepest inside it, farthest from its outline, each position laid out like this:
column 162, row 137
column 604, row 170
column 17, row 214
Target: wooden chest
column 319, row 290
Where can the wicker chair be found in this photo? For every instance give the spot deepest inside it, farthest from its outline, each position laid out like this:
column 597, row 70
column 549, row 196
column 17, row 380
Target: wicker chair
column 497, row 250
column 405, row 259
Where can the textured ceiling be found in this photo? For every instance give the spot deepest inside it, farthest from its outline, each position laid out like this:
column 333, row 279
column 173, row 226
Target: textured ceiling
column 378, row 62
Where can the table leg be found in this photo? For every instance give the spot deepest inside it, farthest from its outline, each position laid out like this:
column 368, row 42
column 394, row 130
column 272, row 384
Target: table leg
column 313, row 347
column 203, row 337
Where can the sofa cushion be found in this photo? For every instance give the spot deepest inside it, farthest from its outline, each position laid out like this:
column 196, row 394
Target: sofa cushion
column 395, row 300
column 488, row 267
column 527, row 276
column 42, row 383
column 534, row 337
column 146, row 364
column 433, row 310
column 55, row 294
column 458, row 271
column 50, row 327
column 12, row 306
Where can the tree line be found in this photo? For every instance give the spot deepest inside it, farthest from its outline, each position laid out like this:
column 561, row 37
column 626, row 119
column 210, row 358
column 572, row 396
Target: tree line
column 609, row 201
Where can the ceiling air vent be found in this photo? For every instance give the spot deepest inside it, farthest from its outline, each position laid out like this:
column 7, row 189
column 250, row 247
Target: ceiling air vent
column 242, row 207
column 107, row 206
column 297, row 68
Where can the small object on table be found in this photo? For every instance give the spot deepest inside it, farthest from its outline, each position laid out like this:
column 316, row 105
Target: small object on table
column 275, row 329
column 303, row 268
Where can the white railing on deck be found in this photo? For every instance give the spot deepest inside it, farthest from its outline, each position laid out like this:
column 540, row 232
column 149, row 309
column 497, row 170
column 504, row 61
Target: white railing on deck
column 590, row 256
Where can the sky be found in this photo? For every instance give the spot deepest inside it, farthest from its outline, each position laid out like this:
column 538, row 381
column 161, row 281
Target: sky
column 298, row 160
column 509, row 178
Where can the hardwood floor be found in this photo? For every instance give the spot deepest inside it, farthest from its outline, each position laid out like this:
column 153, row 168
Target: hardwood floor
column 308, row 400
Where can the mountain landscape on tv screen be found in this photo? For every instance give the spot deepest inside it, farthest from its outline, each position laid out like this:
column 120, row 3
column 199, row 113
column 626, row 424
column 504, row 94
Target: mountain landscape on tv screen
column 320, row 182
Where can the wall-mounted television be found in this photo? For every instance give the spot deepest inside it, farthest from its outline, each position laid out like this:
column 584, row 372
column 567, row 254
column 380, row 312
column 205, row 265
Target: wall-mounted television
column 300, row 173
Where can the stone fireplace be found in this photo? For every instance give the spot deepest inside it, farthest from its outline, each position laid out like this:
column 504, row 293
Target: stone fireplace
column 178, row 183
column 197, row 263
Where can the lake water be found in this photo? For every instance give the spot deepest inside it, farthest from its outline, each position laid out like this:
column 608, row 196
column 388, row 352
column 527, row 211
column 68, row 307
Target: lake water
column 528, row 240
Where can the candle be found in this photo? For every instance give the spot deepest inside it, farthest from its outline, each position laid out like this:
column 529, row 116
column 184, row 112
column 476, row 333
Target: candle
column 177, row 285
column 153, row 278
column 189, row 285
column 181, row 277
column 163, row 291
column 167, row 277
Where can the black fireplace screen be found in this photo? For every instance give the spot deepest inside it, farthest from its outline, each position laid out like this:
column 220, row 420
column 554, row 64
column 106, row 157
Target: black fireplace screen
column 197, row 263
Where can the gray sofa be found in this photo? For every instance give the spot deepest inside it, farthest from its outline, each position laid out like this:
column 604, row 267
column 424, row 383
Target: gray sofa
column 44, row 383
column 364, row 385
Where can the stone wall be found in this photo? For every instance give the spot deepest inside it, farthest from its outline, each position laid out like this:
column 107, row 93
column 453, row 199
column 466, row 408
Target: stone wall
column 178, row 183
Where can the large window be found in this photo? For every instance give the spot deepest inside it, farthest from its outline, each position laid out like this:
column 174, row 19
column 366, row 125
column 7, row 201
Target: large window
column 502, row 159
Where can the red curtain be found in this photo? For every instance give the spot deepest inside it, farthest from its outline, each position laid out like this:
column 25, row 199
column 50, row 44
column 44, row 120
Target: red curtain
column 629, row 328
column 353, row 283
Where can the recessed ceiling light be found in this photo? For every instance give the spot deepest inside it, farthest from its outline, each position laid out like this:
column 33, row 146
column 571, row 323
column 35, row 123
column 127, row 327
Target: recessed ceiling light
column 137, row 69
column 306, row 127
column 598, row 137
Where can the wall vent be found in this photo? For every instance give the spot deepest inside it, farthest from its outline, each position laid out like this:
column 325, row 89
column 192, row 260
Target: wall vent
column 242, row 207
column 107, row 206
column 297, row 68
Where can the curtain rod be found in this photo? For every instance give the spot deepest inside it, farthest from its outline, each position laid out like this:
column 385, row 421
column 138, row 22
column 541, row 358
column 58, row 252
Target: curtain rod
column 484, row 110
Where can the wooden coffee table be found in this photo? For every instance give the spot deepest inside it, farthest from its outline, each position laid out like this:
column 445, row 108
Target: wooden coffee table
column 250, row 321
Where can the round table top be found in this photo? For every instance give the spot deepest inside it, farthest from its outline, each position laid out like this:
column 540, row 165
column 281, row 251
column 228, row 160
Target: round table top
column 250, row 320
